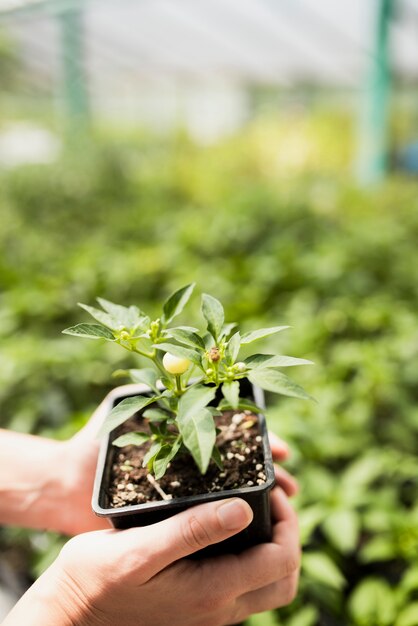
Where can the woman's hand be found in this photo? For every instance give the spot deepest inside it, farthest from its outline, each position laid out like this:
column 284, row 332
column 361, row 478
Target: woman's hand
column 140, row 575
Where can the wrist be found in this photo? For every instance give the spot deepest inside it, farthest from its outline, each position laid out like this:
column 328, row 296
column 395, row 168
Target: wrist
column 51, row 600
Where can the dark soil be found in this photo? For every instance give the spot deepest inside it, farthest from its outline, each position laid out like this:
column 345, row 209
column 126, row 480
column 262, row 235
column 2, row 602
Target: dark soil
column 239, row 443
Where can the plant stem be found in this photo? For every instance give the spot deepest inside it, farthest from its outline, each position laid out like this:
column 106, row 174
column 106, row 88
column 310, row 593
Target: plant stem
column 179, row 388
column 148, row 355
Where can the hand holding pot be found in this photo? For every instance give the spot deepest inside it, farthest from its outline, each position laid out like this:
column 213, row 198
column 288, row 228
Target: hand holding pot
column 140, row 575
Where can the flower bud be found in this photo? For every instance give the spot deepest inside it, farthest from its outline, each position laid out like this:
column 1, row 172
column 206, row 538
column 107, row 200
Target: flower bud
column 124, row 336
column 175, row 364
column 209, row 371
column 214, row 354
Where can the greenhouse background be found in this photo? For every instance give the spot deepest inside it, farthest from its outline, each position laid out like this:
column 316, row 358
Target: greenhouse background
column 269, row 152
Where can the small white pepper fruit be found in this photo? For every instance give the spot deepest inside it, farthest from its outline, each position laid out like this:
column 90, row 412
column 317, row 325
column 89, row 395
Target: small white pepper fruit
column 240, row 367
column 175, row 364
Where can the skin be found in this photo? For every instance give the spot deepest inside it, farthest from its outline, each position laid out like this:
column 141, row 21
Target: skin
column 139, row 576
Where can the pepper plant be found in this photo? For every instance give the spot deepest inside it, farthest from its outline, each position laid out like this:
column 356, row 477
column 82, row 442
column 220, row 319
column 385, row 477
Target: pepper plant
column 188, row 368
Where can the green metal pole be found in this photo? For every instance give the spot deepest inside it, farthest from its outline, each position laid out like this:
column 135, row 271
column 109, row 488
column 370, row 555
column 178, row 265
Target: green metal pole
column 373, row 142
column 74, row 79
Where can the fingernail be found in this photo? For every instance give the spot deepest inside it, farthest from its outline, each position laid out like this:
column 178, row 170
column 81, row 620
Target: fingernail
column 234, row 514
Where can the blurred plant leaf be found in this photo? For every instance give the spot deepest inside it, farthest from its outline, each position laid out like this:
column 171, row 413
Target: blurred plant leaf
column 320, row 568
column 342, row 529
column 373, row 602
column 408, row 616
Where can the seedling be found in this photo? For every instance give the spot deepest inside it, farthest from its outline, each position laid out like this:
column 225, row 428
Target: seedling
column 188, row 369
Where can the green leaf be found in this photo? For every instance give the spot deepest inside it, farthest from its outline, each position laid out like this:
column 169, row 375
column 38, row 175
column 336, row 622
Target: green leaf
column 209, row 341
column 126, row 317
column 216, row 457
column 230, row 391
column 320, row 568
column 195, row 399
column 199, row 435
column 270, row 360
column 180, row 351
column 213, row 313
column 408, row 616
column 232, row 348
column 373, row 602
column 151, row 454
column 90, row 331
column 342, row 529
column 262, row 332
column 146, row 375
column 228, row 328
column 135, row 439
column 163, row 458
column 275, row 381
column 309, row 519
column 174, row 305
column 188, row 337
column 100, row 316
column 156, row 415
column 410, row 580
column 122, row 411
column 378, row 548
column 243, row 404
column 307, row 616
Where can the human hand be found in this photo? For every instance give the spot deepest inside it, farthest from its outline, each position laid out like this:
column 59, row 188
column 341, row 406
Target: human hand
column 140, row 575
column 79, row 458
column 280, row 452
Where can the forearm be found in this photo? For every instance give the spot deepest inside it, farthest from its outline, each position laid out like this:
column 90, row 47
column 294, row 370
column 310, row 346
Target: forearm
column 32, row 482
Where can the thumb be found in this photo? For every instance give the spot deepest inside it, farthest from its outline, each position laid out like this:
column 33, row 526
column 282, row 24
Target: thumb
column 161, row 544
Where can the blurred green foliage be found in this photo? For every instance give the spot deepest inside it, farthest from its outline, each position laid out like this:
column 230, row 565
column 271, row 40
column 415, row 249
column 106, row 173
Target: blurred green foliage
column 268, row 223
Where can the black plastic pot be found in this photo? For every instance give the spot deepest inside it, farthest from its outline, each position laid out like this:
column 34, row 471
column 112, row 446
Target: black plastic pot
column 259, row 531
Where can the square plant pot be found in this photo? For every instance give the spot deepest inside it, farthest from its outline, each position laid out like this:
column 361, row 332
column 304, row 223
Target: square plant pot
column 130, row 515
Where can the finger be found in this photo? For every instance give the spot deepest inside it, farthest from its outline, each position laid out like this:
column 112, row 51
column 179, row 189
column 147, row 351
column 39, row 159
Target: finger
column 156, row 546
column 279, row 448
column 282, row 510
column 286, row 481
column 273, row 596
column 266, row 563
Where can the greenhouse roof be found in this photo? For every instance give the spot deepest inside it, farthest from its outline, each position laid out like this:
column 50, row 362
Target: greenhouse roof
column 244, row 41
